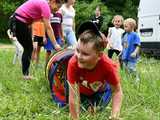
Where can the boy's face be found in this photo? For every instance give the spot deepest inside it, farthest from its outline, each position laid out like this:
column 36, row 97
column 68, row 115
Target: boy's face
column 127, row 27
column 87, row 56
column 54, row 6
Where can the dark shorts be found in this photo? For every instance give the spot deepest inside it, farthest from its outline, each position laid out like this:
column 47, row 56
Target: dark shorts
column 39, row 40
column 99, row 99
column 49, row 46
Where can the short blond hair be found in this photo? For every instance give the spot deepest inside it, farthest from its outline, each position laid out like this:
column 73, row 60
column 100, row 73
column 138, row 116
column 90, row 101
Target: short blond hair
column 117, row 16
column 131, row 22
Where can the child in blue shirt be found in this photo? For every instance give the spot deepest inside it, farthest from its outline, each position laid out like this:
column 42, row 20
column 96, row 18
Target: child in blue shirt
column 131, row 46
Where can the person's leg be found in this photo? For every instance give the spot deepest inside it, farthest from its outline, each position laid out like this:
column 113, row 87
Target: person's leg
column 110, row 53
column 37, row 54
column 85, row 103
column 40, row 44
column 16, row 53
column 71, row 38
column 23, row 35
column 101, row 99
column 117, row 52
column 132, row 70
column 48, row 47
column 20, row 51
column 48, row 54
column 118, row 59
column 35, row 44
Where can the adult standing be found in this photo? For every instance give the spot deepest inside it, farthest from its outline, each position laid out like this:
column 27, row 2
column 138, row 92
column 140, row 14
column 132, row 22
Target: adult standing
column 98, row 18
column 28, row 12
column 68, row 13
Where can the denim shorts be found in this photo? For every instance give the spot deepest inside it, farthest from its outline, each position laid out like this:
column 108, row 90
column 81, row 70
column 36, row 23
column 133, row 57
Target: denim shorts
column 130, row 66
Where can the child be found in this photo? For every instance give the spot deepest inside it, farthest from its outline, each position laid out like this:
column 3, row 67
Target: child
column 89, row 70
column 114, row 36
column 56, row 23
column 131, row 46
column 19, row 48
column 38, row 33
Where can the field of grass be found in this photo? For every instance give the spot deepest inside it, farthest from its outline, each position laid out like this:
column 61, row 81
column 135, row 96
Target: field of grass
column 31, row 100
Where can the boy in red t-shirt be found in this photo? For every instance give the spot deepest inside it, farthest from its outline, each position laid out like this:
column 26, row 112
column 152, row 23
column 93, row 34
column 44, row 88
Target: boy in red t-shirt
column 89, row 71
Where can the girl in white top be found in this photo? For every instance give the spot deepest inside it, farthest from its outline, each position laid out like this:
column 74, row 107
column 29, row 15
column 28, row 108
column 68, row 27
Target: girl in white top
column 68, row 13
column 114, row 36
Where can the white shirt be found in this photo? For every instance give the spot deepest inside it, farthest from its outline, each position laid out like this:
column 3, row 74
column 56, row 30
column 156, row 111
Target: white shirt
column 68, row 15
column 115, row 38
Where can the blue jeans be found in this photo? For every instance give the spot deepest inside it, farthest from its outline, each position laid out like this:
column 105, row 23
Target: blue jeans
column 70, row 36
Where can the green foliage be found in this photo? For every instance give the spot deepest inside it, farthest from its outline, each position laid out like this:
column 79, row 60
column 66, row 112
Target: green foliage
column 116, row 6
column 84, row 11
column 130, row 9
column 7, row 8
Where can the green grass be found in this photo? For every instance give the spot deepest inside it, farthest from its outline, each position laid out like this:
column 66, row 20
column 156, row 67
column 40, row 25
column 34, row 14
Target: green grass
column 31, row 100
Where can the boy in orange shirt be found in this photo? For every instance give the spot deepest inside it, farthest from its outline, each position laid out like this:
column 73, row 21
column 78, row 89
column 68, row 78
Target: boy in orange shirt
column 38, row 33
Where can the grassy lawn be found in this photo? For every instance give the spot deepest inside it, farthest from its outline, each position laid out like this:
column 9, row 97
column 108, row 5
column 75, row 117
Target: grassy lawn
column 31, row 100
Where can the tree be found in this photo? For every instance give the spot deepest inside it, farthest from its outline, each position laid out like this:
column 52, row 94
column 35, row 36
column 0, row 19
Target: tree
column 7, row 8
column 85, row 9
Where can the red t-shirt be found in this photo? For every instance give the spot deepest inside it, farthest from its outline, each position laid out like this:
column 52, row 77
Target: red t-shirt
column 91, row 81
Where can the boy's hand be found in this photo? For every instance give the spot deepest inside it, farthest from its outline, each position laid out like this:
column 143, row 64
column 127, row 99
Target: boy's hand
column 44, row 40
column 133, row 54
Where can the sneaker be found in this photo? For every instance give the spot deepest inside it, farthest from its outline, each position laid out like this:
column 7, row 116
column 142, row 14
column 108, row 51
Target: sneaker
column 27, row 77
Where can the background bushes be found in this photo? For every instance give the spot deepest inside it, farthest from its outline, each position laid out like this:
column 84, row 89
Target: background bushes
column 84, row 10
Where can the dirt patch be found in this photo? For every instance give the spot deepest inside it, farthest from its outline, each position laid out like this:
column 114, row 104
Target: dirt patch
column 5, row 46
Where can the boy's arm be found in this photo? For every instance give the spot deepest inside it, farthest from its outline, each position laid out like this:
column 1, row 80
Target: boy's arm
column 62, row 35
column 116, row 101
column 136, row 51
column 74, row 101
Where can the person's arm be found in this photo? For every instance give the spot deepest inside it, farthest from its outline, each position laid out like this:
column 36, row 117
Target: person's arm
column 116, row 102
column 74, row 25
column 50, row 33
column 62, row 35
column 135, row 52
column 74, row 101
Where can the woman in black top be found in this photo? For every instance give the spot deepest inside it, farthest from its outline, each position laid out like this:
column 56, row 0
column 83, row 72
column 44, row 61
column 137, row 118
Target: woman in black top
column 97, row 18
